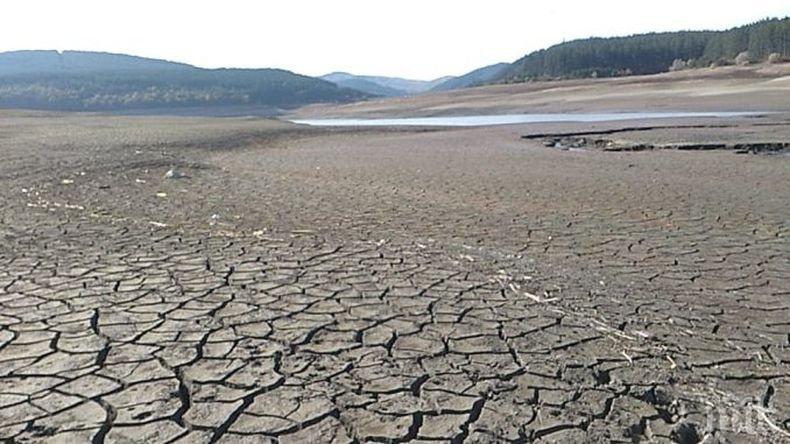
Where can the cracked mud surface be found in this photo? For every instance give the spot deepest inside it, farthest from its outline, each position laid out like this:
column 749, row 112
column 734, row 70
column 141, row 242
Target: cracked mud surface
column 386, row 286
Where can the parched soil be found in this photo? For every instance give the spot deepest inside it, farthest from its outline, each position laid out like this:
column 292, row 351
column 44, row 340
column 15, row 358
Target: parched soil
column 390, row 285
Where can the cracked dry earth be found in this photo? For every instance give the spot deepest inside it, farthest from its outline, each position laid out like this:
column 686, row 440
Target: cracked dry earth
column 384, row 286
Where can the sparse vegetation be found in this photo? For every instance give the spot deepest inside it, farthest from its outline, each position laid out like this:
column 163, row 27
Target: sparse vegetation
column 743, row 58
column 775, row 57
column 679, row 65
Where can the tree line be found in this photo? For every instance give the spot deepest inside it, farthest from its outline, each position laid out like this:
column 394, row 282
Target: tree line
column 111, row 82
column 654, row 53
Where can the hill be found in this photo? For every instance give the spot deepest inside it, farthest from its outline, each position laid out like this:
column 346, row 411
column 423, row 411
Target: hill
column 22, row 62
column 480, row 76
column 361, row 84
column 89, row 81
column 652, row 53
column 393, row 86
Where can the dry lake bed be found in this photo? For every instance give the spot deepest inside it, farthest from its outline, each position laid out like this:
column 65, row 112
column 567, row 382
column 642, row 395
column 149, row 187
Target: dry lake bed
column 591, row 282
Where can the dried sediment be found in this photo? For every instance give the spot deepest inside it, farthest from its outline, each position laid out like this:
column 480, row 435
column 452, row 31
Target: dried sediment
column 386, row 286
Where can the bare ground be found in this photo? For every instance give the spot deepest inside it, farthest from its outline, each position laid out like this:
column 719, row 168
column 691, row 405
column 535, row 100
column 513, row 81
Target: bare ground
column 752, row 88
column 466, row 285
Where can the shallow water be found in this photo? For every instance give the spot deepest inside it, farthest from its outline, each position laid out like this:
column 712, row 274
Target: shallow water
column 509, row 119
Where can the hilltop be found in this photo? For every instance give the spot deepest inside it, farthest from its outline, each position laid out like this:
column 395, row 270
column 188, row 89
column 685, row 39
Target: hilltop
column 654, row 53
column 92, row 81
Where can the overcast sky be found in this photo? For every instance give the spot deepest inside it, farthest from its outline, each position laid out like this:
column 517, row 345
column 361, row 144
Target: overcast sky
column 420, row 39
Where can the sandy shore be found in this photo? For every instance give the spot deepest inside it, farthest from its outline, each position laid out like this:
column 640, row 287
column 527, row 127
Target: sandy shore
column 335, row 285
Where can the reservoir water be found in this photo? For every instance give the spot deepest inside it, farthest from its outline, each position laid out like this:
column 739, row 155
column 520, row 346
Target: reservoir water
column 509, row 119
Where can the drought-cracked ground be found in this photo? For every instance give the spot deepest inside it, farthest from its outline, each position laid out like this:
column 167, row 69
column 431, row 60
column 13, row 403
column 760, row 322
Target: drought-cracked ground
column 305, row 285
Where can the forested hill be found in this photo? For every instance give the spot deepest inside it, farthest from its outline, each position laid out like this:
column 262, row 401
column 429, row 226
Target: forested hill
column 477, row 77
column 654, row 53
column 23, row 62
column 87, row 81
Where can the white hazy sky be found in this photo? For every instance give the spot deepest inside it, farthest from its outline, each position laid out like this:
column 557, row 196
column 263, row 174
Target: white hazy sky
column 420, row 39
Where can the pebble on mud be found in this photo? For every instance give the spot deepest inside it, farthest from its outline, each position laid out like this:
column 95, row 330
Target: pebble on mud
column 174, row 174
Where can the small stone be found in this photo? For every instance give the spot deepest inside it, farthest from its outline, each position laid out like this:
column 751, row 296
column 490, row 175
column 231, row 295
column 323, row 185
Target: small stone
column 174, row 174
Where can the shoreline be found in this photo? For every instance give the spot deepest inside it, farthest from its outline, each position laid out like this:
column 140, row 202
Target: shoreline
column 731, row 88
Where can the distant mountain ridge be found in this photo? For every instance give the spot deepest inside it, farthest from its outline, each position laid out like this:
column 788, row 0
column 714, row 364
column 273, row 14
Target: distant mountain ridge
column 97, row 81
column 478, row 77
column 388, row 86
column 361, row 84
column 93, row 81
